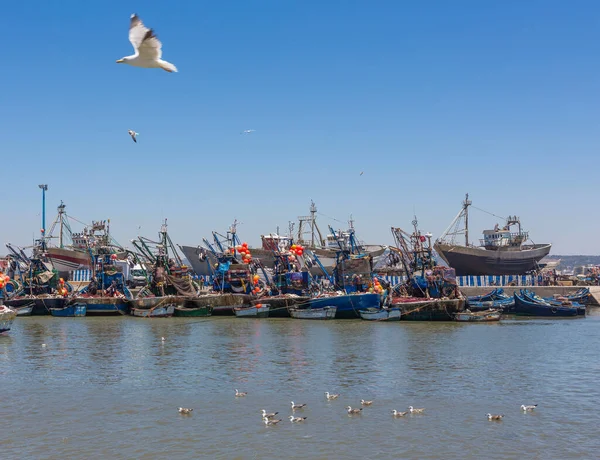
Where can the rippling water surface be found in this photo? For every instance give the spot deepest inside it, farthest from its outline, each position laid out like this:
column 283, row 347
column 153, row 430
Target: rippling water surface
column 110, row 388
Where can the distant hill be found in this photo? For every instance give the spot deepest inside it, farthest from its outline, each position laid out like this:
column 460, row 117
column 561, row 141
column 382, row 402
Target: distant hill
column 569, row 262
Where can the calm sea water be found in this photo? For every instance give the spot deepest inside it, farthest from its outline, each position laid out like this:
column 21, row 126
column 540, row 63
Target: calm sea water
column 110, row 388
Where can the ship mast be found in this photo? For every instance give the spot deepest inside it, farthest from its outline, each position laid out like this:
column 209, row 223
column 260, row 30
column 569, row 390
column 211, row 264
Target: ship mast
column 61, row 211
column 466, row 205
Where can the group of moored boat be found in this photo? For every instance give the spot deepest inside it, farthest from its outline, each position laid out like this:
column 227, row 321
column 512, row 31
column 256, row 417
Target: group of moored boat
column 525, row 302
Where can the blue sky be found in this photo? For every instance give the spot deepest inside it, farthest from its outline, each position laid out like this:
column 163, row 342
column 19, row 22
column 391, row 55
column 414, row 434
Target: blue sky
column 430, row 99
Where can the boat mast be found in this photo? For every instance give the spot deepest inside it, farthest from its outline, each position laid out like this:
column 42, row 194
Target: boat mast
column 44, row 187
column 61, row 211
column 313, row 212
column 466, row 205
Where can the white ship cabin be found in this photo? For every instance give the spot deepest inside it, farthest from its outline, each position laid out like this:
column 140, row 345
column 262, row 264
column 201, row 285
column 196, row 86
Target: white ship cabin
column 275, row 242
column 503, row 238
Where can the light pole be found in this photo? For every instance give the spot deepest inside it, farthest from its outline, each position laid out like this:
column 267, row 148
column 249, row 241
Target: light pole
column 44, row 187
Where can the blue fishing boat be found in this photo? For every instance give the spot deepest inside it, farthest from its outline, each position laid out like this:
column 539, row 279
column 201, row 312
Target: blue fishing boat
column 526, row 307
column 74, row 310
column 347, row 305
column 496, row 294
column 106, row 294
column 556, row 301
column 505, row 305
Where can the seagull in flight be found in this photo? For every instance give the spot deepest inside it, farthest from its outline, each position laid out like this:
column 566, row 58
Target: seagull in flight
column 133, row 135
column 147, row 48
column 362, row 172
column 247, row 131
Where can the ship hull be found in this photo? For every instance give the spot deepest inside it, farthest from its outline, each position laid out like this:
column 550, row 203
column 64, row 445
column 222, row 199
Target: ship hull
column 478, row 261
column 65, row 260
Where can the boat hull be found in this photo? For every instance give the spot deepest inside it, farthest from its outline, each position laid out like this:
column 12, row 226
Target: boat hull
column 524, row 307
column 429, row 309
column 347, row 305
column 157, row 312
column 252, row 311
column 195, row 312
column 479, row 261
column 42, row 305
column 310, row 313
column 478, row 317
column 223, row 304
column 65, row 260
column 70, row 311
column 381, row 314
column 103, row 306
column 281, row 304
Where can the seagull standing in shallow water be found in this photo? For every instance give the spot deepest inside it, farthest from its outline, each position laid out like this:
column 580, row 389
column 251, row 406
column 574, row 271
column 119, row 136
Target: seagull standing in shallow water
column 239, row 394
column 395, row 413
column 495, row 417
column 331, row 396
column 296, row 419
column 297, row 406
column 147, row 48
column 185, row 411
column 416, row 411
column 366, row 403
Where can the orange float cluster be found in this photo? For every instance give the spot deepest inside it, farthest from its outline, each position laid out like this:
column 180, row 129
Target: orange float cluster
column 296, row 249
column 62, row 290
column 244, row 252
column 4, row 279
column 377, row 288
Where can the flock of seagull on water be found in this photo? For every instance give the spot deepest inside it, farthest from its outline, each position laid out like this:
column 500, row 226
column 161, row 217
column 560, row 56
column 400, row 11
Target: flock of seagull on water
column 147, row 54
column 270, row 420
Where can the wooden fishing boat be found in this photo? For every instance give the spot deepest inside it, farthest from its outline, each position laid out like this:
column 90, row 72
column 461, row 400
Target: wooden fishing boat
column 162, row 311
column 327, row 312
column 478, row 316
column 223, row 303
column 73, row 310
column 556, row 301
column 260, row 310
column 281, row 303
column 526, row 307
column 506, row 305
column 423, row 309
column 7, row 317
column 25, row 310
column 496, row 294
column 193, row 311
column 103, row 305
column 381, row 314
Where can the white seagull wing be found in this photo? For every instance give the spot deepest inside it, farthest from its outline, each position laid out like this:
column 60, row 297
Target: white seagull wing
column 137, row 31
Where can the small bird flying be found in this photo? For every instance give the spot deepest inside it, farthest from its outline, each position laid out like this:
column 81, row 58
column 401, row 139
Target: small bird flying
column 133, row 135
column 362, row 172
column 247, row 131
column 528, row 408
column 494, row 417
column 185, row 411
column 147, row 47
column 296, row 419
